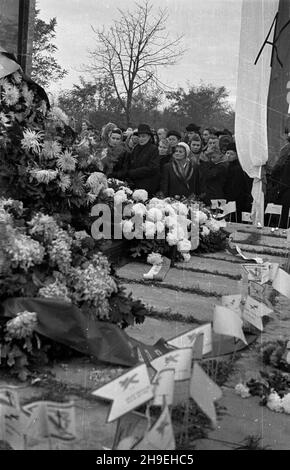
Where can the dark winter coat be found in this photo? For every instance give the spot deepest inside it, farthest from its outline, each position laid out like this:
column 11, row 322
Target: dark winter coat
column 281, row 173
column 173, row 185
column 143, row 168
column 212, row 177
column 238, row 186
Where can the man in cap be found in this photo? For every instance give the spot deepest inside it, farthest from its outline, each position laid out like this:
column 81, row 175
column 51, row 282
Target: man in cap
column 191, row 130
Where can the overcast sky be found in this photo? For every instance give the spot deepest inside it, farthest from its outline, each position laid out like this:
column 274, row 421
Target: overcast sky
column 211, row 30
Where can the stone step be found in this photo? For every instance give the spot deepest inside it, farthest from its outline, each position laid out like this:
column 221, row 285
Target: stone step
column 233, row 227
column 221, row 267
column 183, row 280
column 259, row 240
column 169, row 302
column 224, row 256
column 265, row 250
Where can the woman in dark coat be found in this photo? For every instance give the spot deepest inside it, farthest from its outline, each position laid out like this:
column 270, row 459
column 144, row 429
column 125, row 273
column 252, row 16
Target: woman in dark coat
column 281, row 175
column 180, row 176
column 141, row 168
column 238, row 185
column 212, row 172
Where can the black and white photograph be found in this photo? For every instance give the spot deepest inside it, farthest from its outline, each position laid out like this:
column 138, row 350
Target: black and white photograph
column 144, row 228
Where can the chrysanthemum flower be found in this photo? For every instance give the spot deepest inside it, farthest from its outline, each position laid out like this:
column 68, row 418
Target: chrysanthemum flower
column 30, row 140
column 96, row 182
column 11, row 95
column 55, row 289
column 22, row 326
column 67, row 161
column 17, row 77
column 154, row 258
column 51, row 149
column 4, row 120
column 44, row 176
column 64, row 182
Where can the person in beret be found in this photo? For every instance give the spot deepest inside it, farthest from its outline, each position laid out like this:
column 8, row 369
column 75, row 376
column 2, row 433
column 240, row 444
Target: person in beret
column 173, row 137
column 191, row 130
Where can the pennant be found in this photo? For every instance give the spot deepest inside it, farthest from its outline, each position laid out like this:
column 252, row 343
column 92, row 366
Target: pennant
column 257, row 259
column 9, row 397
column 273, row 268
column 163, row 387
column 7, row 65
column 204, row 392
column 61, row 420
column 218, row 203
column 246, row 217
column 127, row 392
column 197, row 349
column 186, row 340
column 273, row 209
column 232, row 302
column 259, row 273
column 160, row 436
column 282, row 282
column 131, row 425
column 180, row 360
column 11, row 427
column 228, row 208
column 227, row 322
column 37, row 422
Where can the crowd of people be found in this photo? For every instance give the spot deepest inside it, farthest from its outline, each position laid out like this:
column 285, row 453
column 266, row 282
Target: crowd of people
column 200, row 163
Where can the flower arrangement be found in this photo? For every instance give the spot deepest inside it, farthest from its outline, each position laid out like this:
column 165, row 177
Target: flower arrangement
column 272, row 387
column 163, row 225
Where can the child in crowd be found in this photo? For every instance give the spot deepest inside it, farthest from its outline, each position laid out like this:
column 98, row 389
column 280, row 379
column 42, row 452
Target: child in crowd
column 195, row 149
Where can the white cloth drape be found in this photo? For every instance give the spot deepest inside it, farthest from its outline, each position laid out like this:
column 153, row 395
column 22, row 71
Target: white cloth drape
column 252, row 94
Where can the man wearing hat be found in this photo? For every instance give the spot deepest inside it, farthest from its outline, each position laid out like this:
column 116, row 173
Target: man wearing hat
column 142, row 167
column 173, row 138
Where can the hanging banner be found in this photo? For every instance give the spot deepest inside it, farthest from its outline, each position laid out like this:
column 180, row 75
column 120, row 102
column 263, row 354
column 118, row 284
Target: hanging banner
column 279, row 89
column 252, row 94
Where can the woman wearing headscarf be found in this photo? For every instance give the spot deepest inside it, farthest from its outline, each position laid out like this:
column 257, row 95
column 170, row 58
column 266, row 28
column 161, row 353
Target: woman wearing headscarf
column 180, row 176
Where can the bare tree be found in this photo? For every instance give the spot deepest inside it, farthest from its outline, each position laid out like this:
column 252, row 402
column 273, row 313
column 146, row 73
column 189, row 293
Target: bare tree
column 132, row 49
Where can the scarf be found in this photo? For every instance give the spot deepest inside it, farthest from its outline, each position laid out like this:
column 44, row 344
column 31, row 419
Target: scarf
column 183, row 171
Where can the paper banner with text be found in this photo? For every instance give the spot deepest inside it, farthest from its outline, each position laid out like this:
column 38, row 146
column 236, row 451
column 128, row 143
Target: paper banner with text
column 258, row 291
column 51, row 419
column 179, row 359
column 258, row 272
column 186, row 340
column 228, row 208
column 227, row 322
column 204, row 392
column 282, row 282
column 256, row 259
column 233, row 302
column 163, row 387
column 160, row 436
column 127, row 392
column 131, row 425
column 11, row 427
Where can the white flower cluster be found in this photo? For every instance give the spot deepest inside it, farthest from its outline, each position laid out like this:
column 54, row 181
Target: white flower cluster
column 154, row 258
column 59, row 251
column 22, row 326
column 55, row 289
column 97, row 182
column 280, row 405
column 31, row 140
column 242, row 390
column 24, row 252
column 43, row 226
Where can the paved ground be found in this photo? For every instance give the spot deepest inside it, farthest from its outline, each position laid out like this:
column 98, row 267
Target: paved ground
column 185, row 299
